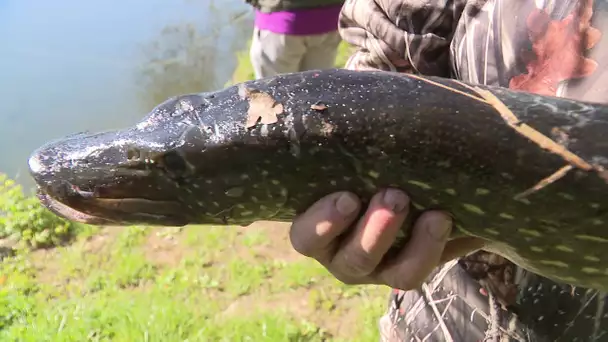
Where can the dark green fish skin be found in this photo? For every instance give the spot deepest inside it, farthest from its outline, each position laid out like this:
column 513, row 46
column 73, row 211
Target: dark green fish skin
column 194, row 160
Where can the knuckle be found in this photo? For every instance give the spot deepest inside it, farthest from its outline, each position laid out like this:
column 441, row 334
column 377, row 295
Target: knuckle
column 300, row 245
column 347, row 280
column 356, row 263
column 404, row 283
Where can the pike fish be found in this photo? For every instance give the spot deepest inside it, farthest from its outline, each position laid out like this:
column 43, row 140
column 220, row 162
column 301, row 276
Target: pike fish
column 524, row 172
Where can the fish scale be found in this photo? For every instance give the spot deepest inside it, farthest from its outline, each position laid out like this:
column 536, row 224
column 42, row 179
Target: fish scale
column 524, row 172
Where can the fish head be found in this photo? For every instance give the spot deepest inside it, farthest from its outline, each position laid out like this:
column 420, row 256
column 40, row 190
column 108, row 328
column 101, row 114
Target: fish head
column 139, row 175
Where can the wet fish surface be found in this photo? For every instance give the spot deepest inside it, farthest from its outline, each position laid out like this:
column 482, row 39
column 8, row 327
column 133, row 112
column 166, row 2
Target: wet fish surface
column 523, row 171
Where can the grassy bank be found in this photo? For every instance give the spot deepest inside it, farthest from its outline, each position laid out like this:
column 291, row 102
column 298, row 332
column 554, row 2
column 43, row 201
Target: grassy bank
column 197, row 283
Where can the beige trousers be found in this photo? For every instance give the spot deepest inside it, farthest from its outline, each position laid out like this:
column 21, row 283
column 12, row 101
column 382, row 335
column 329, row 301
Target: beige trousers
column 274, row 53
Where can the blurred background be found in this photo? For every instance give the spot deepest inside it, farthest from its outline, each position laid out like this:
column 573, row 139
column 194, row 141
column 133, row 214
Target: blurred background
column 69, row 66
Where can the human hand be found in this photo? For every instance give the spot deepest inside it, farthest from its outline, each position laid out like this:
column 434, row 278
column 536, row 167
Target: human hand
column 357, row 256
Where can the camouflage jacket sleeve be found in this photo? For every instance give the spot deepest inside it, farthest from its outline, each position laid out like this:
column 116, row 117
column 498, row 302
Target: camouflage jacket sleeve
column 402, row 36
column 550, row 47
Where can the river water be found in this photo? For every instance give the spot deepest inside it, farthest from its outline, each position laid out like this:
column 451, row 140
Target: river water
column 68, row 66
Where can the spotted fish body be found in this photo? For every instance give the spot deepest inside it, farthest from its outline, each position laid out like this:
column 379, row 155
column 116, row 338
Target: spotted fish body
column 529, row 178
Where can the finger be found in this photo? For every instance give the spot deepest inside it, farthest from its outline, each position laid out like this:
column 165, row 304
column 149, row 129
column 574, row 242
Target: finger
column 461, row 247
column 314, row 232
column 421, row 254
column 363, row 249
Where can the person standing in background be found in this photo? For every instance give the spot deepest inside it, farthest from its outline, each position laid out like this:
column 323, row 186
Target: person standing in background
column 294, row 35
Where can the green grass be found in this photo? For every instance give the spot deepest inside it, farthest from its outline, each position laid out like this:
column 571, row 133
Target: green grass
column 194, row 284
column 197, row 283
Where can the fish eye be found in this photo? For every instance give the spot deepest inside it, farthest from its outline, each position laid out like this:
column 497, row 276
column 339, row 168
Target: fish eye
column 173, row 163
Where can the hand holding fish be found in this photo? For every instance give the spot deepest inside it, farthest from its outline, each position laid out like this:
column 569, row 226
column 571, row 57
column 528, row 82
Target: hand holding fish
column 355, row 251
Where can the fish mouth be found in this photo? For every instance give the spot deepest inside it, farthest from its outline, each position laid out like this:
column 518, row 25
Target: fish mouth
column 66, row 212
column 73, row 204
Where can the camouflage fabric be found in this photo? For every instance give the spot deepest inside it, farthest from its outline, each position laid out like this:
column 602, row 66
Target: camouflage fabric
column 551, row 47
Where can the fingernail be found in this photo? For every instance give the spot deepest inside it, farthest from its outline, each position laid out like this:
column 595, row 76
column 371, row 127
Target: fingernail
column 440, row 227
column 346, row 204
column 395, row 199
